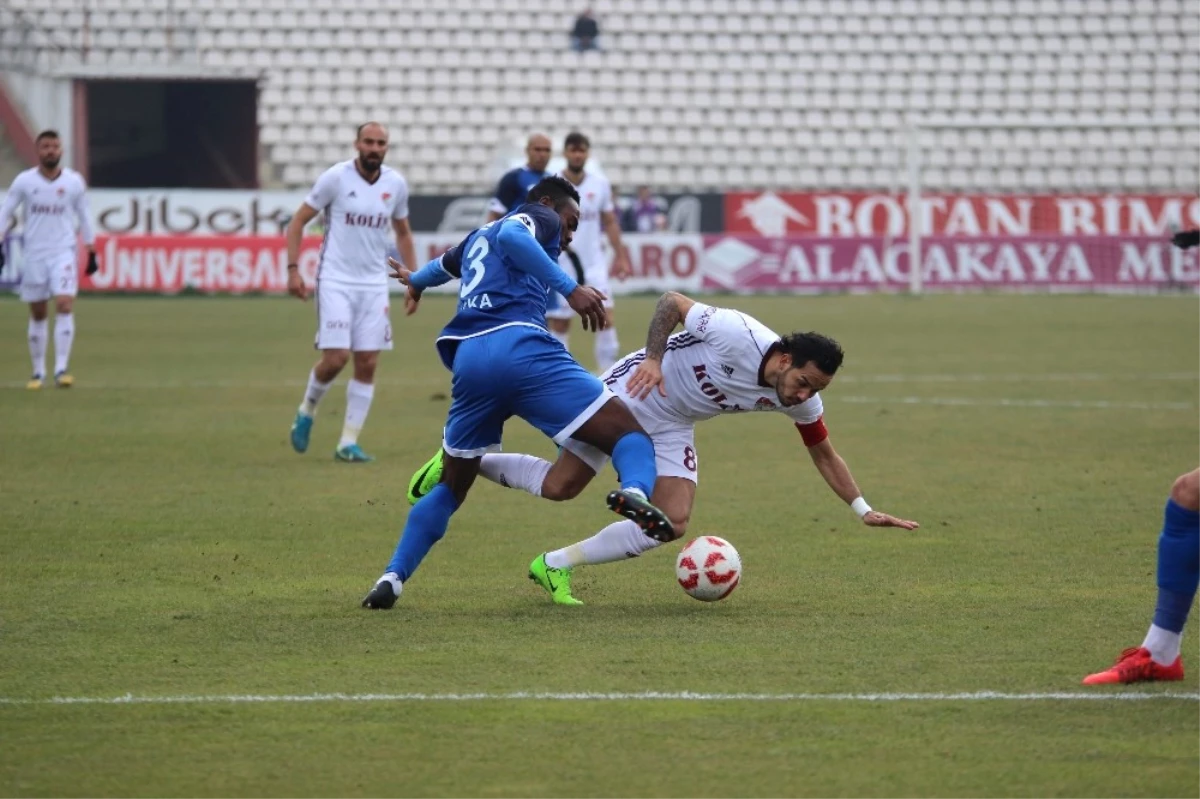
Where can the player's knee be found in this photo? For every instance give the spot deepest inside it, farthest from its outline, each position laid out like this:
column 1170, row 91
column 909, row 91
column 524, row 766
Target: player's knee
column 335, row 360
column 38, row 313
column 1186, row 490
column 562, row 487
column 559, row 325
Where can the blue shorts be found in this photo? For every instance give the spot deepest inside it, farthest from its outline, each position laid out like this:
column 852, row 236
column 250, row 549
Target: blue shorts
column 516, row 371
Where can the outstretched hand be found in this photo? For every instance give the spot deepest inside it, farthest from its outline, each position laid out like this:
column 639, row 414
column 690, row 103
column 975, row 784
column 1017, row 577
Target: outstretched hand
column 412, row 296
column 879, row 519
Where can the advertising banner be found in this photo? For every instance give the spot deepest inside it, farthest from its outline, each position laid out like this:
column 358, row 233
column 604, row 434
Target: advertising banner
column 852, row 214
column 805, row 264
column 692, row 262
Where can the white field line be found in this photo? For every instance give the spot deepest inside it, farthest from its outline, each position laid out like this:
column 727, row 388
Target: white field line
column 1067, row 377
column 1003, row 402
column 641, row 696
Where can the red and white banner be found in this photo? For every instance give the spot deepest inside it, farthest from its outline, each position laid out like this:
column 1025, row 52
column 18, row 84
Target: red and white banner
column 851, row 214
column 1024, row 263
column 691, row 262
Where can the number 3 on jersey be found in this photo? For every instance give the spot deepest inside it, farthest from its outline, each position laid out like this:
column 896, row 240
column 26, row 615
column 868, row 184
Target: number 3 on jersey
column 475, row 266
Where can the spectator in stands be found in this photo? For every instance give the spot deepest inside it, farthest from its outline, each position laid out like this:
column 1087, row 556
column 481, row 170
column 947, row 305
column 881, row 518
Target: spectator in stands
column 586, row 33
column 646, row 214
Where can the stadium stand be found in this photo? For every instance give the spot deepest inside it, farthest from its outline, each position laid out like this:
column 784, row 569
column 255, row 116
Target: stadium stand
column 695, row 94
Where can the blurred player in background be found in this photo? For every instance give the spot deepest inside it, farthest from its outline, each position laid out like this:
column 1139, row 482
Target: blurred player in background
column 1178, row 576
column 362, row 201
column 515, row 185
column 51, row 196
column 505, row 363
column 597, row 212
column 724, row 362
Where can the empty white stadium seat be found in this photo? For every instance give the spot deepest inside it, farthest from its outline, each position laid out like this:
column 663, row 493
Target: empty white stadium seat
column 776, row 93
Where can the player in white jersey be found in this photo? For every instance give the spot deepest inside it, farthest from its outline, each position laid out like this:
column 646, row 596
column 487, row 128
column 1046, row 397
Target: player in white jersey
column 54, row 199
column 364, row 204
column 724, row 362
column 596, row 214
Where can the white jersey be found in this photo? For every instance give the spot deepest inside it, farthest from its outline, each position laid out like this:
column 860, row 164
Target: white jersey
column 714, row 367
column 52, row 210
column 595, row 197
column 358, row 223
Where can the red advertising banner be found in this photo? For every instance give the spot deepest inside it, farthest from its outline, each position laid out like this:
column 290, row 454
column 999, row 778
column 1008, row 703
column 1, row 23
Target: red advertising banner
column 1032, row 263
column 691, row 262
column 850, row 214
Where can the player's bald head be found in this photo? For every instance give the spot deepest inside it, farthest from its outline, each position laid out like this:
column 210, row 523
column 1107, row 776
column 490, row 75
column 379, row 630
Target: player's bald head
column 373, row 130
column 537, row 151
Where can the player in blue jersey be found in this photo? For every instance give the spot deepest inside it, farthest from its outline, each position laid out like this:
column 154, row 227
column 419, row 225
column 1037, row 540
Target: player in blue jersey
column 515, row 185
column 505, row 363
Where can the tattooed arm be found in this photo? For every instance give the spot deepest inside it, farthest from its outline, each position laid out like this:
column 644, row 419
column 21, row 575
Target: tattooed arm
column 670, row 312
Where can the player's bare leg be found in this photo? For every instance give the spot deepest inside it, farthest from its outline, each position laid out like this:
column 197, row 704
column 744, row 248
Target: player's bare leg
column 64, row 337
column 39, row 326
column 426, row 524
column 320, row 379
column 1178, row 576
column 618, row 541
column 614, row 431
column 359, row 393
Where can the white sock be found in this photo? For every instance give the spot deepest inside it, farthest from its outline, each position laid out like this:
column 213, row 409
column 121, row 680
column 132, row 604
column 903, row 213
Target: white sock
column 563, row 338
column 312, row 395
column 64, row 335
column 526, row 472
column 607, row 348
column 619, row 541
column 37, row 345
column 358, row 404
column 1163, row 645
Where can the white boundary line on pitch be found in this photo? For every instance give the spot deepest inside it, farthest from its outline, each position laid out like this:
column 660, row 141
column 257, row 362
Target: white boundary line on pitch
column 1082, row 377
column 641, row 696
column 1003, row 402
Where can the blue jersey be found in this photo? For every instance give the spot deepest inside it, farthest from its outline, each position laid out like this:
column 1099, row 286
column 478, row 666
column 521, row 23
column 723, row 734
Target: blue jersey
column 514, row 188
column 507, row 269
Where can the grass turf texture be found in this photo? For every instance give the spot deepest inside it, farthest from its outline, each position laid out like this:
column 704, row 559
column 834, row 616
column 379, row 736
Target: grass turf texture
column 160, row 538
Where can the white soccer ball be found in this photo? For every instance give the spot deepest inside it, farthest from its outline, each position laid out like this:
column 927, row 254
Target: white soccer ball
column 709, row 568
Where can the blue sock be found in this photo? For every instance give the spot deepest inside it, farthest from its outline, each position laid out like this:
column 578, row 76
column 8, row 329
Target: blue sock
column 1178, row 566
column 633, row 458
column 427, row 523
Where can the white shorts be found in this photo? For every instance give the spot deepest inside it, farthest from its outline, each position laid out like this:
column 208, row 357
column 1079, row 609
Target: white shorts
column 353, row 318
column 596, row 276
column 674, row 449
column 51, row 275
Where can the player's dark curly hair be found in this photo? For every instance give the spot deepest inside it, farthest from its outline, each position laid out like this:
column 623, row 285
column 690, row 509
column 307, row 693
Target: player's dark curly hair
column 556, row 187
column 822, row 350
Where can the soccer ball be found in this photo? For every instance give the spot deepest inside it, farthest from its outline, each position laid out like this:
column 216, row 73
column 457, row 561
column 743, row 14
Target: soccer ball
column 709, row 568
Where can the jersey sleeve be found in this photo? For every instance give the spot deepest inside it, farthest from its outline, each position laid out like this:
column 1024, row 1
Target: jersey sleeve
column 507, row 195
column 808, row 412
column 728, row 332
column 324, row 191
column 530, row 242
column 400, row 211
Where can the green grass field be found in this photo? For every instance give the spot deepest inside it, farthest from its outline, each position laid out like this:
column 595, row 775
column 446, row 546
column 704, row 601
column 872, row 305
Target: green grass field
column 160, row 539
